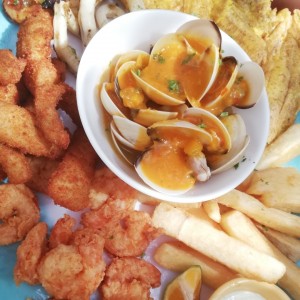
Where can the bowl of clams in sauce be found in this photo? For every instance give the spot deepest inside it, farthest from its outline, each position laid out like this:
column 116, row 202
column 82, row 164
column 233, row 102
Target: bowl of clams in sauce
column 173, row 105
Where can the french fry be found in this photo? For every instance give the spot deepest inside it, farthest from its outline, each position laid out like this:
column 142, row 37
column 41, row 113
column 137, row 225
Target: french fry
column 277, row 187
column 176, row 256
column 283, row 149
column 239, row 226
column 253, row 208
column 213, row 210
column 216, row 244
column 288, row 245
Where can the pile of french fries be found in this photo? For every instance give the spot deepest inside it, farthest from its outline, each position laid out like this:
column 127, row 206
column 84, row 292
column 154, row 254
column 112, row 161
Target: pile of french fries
column 249, row 232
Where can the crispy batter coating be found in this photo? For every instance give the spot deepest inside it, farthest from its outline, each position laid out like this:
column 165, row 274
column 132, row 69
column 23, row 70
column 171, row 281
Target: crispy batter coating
column 62, row 232
column 41, row 169
column 106, row 184
column 74, row 271
column 29, row 254
column 19, row 212
column 18, row 130
column 69, row 184
column 11, row 68
column 34, row 36
column 129, row 278
column 9, row 93
column 15, row 165
column 69, row 104
column 48, row 120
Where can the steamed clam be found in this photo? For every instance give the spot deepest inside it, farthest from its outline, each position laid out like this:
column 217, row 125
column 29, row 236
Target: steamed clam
column 169, row 109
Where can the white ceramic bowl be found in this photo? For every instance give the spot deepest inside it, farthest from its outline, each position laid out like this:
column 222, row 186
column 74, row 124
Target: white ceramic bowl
column 139, row 30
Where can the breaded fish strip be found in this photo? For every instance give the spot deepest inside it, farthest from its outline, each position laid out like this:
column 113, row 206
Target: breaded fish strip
column 15, row 165
column 11, row 68
column 41, row 168
column 231, row 19
column 33, row 44
column 9, row 93
column 48, row 120
column 69, row 184
column 18, row 130
column 34, row 36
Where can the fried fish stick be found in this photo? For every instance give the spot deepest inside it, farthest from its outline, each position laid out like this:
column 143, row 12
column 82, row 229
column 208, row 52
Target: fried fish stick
column 33, row 44
column 15, row 165
column 18, row 130
column 69, row 184
column 11, row 68
column 34, row 36
column 48, row 120
column 42, row 169
column 9, row 93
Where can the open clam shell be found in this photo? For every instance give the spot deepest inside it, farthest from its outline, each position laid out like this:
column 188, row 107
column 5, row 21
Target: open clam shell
column 198, row 79
column 164, row 166
column 239, row 140
column 204, row 29
column 221, row 138
column 110, row 101
column 251, row 73
column 148, row 117
column 135, row 134
column 215, row 99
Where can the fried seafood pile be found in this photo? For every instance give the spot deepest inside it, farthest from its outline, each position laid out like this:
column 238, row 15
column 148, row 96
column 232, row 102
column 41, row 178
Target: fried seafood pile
column 39, row 153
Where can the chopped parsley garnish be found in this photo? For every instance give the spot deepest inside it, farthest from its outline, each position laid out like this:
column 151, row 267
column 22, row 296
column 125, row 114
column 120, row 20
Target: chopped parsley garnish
column 224, row 114
column 159, row 58
column 16, row 2
column 202, row 125
column 173, row 85
column 236, row 165
column 188, row 58
column 239, row 79
column 220, row 61
column 137, row 72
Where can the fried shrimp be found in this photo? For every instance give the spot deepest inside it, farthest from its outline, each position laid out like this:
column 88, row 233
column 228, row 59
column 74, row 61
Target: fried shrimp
column 19, row 212
column 131, row 235
column 15, row 164
column 74, row 271
column 129, row 278
column 29, row 254
column 62, row 231
column 106, row 184
column 126, row 232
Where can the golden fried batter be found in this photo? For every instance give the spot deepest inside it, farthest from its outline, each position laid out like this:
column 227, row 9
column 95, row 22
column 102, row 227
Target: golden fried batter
column 11, row 68
column 69, row 185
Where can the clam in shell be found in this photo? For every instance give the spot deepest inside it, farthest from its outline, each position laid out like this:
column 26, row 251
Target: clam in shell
column 164, row 166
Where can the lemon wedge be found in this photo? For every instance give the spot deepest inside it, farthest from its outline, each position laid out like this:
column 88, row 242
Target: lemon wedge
column 186, row 286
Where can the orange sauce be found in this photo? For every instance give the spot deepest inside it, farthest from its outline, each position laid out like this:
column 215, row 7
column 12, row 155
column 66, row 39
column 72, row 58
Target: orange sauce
column 239, row 94
column 166, row 166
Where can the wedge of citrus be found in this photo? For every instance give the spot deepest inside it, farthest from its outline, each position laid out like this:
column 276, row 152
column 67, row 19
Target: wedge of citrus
column 186, row 286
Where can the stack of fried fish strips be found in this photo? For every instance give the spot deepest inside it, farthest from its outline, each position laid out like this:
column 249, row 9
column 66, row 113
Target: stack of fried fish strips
column 272, row 39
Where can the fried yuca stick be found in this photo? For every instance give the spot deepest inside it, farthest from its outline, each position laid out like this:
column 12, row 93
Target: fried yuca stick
column 277, row 187
column 198, row 8
column 237, row 225
column 15, row 165
column 69, row 184
column 166, row 4
column 216, row 244
column 178, row 257
column 213, row 210
column 253, row 208
column 281, row 150
column 288, row 245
